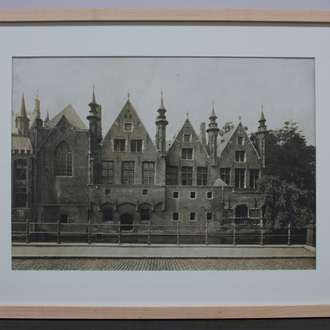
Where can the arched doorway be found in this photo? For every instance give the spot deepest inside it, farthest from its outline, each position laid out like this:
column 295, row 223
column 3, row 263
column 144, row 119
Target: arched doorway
column 126, row 222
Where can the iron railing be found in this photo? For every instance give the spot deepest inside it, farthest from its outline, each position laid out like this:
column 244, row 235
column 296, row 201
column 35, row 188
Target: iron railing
column 118, row 233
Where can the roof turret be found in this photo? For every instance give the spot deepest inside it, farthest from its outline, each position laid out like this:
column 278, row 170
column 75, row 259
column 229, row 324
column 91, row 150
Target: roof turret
column 23, row 108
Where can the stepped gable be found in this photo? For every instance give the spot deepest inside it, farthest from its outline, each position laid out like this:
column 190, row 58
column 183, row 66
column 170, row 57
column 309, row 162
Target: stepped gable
column 71, row 115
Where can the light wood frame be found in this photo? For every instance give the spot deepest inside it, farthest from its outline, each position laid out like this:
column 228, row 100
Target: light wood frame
column 154, row 16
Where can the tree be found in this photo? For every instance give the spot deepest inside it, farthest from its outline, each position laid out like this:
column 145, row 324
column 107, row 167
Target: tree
column 288, row 182
column 227, row 127
column 285, row 203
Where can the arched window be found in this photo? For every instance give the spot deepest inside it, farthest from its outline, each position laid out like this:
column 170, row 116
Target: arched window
column 241, row 211
column 63, row 160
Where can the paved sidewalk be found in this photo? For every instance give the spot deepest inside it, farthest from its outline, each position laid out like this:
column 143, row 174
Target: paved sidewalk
column 51, row 250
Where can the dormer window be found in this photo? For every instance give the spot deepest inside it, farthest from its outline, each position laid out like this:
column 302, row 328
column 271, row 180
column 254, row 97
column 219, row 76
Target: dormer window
column 128, row 127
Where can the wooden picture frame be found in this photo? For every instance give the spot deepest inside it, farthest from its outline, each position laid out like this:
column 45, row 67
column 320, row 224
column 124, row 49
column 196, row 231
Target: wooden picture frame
column 39, row 17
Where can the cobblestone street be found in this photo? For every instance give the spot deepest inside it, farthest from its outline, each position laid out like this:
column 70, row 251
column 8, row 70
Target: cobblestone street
column 161, row 264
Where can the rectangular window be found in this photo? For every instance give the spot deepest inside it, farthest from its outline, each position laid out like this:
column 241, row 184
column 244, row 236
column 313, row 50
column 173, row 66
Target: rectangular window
column 107, row 176
column 107, row 215
column 193, row 194
column 201, row 176
column 239, row 177
column 209, row 194
column 136, row 145
column 28, row 151
column 240, row 156
column 107, row 191
column 22, row 151
column 144, row 192
column 186, row 175
column 175, row 216
column 128, row 127
column 254, row 176
column 128, row 172
column 209, row 216
column 225, row 175
column 171, row 175
column 144, row 215
column 148, row 173
column 192, row 216
column 240, row 140
column 186, row 137
column 175, row 194
column 187, row 153
column 63, row 218
column 20, row 196
column 20, row 170
column 119, row 145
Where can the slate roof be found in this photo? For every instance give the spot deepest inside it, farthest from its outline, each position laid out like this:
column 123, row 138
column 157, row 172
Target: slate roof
column 219, row 183
column 71, row 115
column 225, row 138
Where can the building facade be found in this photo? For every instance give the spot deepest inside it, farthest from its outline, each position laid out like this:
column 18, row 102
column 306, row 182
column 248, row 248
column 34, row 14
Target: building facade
column 125, row 180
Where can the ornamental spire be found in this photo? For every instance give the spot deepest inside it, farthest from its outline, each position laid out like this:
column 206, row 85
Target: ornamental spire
column 161, row 100
column 94, row 99
column 23, row 108
column 213, row 113
column 47, row 118
column 262, row 120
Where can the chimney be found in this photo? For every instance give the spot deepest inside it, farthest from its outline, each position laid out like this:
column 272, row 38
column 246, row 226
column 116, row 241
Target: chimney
column 202, row 134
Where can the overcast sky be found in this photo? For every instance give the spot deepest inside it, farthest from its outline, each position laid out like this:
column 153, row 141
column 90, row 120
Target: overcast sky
column 239, row 86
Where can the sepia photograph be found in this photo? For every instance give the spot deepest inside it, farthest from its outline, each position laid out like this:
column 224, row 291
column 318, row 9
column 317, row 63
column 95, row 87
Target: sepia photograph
column 163, row 163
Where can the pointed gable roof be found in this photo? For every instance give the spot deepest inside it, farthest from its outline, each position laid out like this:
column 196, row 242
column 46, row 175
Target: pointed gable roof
column 223, row 140
column 228, row 137
column 71, row 115
column 185, row 127
column 129, row 114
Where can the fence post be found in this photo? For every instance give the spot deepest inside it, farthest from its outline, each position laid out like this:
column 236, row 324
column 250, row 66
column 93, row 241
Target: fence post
column 149, row 233
column 234, row 234
column 262, row 233
column 119, row 232
column 27, row 231
column 58, row 232
column 89, row 232
column 178, row 234
column 206, row 234
column 289, row 234
column 310, row 239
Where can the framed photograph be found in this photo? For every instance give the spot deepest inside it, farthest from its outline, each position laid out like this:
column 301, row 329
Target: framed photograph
column 163, row 164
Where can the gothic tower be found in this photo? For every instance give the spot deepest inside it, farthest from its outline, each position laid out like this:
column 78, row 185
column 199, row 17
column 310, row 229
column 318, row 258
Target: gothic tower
column 261, row 137
column 22, row 121
column 38, row 121
column 94, row 140
column 161, row 123
column 213, row 132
